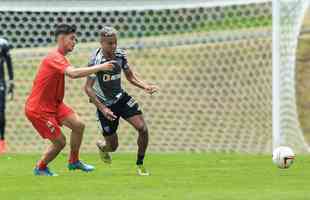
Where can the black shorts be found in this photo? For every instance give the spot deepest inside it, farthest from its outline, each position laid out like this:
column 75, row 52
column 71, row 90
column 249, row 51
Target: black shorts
column 125, row 107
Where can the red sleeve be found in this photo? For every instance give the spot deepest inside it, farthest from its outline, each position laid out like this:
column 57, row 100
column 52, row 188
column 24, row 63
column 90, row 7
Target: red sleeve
column 58, row 62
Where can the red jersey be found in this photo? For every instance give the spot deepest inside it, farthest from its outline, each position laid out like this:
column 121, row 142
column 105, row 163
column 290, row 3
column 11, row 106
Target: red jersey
column 48, row 88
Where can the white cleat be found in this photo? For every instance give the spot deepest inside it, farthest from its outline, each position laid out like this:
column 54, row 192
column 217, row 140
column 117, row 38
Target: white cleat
column 105, row 156
column 141, row 171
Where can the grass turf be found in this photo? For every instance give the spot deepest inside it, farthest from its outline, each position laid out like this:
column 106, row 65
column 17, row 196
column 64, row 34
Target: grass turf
column 174, row 176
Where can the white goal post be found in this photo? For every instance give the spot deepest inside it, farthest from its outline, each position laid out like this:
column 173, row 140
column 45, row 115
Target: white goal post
column 287, row 22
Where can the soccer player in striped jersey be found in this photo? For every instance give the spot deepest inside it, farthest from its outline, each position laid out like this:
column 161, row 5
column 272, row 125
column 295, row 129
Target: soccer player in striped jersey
column 112, row 102
column 45, row 108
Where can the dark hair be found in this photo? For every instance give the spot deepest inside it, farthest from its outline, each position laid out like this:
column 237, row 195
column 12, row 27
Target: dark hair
column 64, row 29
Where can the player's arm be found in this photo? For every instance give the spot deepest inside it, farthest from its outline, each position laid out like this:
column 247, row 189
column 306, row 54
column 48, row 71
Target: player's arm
column 8, row 60
column 133, row 78
column 74, row 72
column 93, row 99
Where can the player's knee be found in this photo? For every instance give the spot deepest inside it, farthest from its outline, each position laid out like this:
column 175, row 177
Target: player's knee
column 79, row 127
column 142, row 129
column 61, row 143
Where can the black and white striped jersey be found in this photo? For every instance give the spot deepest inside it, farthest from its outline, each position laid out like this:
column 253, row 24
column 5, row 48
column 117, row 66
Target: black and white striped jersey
column 108, row 83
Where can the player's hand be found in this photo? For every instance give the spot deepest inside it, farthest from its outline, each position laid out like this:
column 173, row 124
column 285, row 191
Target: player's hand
column 151, row 89
column 108, row 65
column 11, row 87
column 108, row 113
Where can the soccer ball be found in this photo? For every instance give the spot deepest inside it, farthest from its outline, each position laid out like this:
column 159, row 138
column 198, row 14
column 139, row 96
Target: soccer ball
column 283, row 157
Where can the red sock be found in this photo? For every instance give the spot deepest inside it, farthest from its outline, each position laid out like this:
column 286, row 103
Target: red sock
column 41, row 165
column 74, row 156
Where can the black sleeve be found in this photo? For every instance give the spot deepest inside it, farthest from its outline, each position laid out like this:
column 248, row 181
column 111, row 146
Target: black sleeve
column 8, row 59
column 125, row 64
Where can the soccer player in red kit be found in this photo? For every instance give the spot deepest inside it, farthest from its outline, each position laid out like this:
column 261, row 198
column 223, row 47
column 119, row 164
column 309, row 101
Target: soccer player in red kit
column 45, row 108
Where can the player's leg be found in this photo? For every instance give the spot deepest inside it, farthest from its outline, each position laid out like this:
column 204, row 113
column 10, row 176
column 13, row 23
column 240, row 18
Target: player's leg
column 2, row 118
column 48, row 128
column 71, row 120
column 54, row 149
column 131, row 113
column 77, row 127
column 139, row 124
column 57, row 144
column 110, row 144
column 108, row 130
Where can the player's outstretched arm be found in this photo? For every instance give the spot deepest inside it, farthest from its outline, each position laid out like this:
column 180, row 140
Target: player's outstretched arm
column 93, row 99
column 73, row 72
column 136, row 81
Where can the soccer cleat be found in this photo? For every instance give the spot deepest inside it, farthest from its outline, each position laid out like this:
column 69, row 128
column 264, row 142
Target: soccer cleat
column 79, row 165
column 43, row 172
column 141, row 171
column 105, row 156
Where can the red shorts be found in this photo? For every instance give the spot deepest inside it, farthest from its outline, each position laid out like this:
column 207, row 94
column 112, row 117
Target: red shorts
column 48, row 125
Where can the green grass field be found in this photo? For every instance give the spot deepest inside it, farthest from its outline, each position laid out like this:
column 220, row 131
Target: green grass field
column 174, row 176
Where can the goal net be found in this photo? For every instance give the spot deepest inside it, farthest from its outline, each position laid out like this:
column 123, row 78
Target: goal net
column 213, row 62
